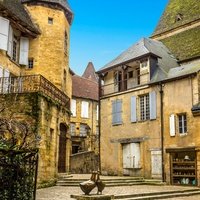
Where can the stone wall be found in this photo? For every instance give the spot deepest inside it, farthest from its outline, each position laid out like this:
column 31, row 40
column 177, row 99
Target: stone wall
column 83, row 163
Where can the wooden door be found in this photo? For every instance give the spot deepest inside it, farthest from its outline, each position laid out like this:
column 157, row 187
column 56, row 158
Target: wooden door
column 156, row 164
column 62, row 149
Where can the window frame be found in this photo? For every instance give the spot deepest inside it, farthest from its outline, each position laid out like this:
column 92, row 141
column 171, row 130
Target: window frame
column 145, row 109
column 182, row 123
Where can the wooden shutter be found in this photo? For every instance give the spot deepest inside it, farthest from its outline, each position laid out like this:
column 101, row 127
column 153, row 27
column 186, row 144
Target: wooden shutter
column 172, row 125
column 97, row 112
column 1, row 78
column 73, row 107
column 135, row 155
column 10, row 42
column 84, row 109
column 4, row 29
column 152, row 102
column 1, row 72
column 114, row 112
column 24, row 48
column 133, row 109
column 119, row 111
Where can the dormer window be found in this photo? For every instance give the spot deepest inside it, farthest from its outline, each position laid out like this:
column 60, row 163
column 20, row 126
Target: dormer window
column 144, row 63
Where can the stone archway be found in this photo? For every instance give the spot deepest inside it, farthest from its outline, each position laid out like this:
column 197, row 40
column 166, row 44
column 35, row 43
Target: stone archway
column 62, row 149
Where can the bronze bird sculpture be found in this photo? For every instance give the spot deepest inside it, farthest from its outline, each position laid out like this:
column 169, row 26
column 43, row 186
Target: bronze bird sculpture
column 100, row 185
column 88, row 186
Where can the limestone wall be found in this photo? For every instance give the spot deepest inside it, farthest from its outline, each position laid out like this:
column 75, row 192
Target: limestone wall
column 84, row 163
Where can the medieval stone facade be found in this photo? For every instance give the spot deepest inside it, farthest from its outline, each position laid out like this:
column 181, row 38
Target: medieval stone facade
column 34, row 45
column 150, row 102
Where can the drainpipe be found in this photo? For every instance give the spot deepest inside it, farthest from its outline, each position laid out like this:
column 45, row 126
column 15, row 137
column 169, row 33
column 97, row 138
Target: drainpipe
column 162, row 131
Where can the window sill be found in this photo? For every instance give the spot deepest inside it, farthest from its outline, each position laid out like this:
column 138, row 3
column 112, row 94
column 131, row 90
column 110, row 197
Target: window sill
column 133, row 168
column 183, row 134
column 117, row 124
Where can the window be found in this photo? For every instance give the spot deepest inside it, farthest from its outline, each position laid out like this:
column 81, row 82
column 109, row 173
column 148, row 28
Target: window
column 66, row 42
column 84, row 109
column 50, row 20
column 73, row 107
column 97, row 112
column 144, row 107
column 130, row 74
column 72, row 129
column 15, row 49
column 117, row 112
column 83, row 130
column 182, row 122
column 144, row 63
column 30, row 63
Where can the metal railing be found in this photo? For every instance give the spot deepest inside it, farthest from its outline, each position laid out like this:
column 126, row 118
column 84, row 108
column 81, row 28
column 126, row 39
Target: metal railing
column 30, row 84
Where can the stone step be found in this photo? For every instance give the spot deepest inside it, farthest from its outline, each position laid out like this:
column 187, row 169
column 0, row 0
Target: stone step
column 159, row 195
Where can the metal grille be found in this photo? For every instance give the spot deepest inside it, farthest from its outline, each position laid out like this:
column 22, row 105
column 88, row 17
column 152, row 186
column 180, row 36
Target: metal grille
column 18, row 175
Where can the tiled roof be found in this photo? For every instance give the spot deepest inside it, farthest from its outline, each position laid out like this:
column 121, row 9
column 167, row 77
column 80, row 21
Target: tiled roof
column 144, row 47
column 63, row 3
column 89, row 72
column 178, row 13
column 17, row 10
column 84, row 88
column 184, row 45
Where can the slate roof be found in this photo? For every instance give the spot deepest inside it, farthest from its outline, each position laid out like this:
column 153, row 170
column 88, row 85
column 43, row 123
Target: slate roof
column 180, row 71
column 89, row 72
column 143, row 48
column 84, row 88
column 184, row 45
column 17, row 10
column 63, row 3
column 186, row 10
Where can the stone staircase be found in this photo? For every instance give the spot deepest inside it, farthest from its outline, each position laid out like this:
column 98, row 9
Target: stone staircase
column 67, row 180
column 159, row 195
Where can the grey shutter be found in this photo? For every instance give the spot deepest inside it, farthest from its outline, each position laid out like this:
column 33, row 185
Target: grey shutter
column 4, row 24
column 152, row 99
column 133, row 109
column 119, row 111
column 114, row 112
column 10, row 42
column 24, row 47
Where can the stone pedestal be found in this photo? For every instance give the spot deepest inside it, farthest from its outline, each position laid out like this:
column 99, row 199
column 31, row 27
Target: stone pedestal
column 92, row 197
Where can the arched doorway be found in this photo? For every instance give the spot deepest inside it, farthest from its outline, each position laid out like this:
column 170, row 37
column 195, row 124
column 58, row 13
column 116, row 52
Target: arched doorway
column 62, row 149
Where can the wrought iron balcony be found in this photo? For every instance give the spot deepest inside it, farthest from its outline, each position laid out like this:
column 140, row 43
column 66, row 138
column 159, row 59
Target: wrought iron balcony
column 30, row 84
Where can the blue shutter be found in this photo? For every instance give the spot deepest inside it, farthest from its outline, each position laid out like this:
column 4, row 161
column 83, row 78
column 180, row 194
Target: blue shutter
column 152, row 99
column 133, row 109
column 113, row 112
column 119, row 111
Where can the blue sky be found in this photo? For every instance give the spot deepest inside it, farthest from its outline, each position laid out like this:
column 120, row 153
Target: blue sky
column 102, row 29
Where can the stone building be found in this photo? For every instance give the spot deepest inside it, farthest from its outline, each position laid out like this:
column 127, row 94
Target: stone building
column 84, row 122
column 34, row 70
column 84, row 107
column 150, row 96
column 179, row 30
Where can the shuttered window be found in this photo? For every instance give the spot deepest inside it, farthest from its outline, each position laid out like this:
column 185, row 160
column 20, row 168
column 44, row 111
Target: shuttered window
column 84, row 109
column 10, row 42
column 72, row 129
column 152, row 103
column 133, row 109
column 73, row 107
column 117, row 112
column 24, row 48
column 97, row 112
column 172, row 125
column 4, row 31
column 83, row 130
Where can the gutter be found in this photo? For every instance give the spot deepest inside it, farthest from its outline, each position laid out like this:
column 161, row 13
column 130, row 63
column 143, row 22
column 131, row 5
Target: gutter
column 162, row 132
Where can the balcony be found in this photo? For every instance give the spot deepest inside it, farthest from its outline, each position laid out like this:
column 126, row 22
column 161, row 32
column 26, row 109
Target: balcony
column 31, row 84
